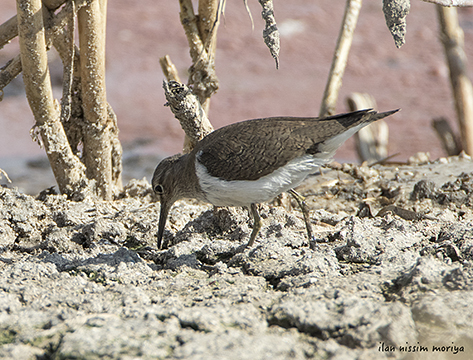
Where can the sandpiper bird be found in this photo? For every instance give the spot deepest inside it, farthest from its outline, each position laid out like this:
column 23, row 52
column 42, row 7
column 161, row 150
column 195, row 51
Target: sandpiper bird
column 253, row 161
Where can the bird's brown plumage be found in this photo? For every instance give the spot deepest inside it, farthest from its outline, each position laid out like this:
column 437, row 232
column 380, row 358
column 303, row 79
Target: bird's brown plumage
column 251, row 149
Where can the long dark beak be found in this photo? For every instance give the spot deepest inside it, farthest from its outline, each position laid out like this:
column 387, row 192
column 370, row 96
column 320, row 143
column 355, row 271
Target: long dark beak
column 165, row 206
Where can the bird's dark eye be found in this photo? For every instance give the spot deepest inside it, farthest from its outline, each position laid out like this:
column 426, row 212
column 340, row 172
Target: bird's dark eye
column 158, row 189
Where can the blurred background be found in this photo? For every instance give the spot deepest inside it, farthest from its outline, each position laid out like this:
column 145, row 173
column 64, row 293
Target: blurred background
column 414, row 78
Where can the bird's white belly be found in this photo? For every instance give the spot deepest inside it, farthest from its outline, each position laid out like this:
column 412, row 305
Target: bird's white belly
column 244, row 192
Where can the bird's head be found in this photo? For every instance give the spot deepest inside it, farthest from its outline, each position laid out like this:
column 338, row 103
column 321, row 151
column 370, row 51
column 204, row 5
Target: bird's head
column 168, row 184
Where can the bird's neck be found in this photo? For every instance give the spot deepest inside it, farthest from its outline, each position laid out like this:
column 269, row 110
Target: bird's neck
column 188, row 181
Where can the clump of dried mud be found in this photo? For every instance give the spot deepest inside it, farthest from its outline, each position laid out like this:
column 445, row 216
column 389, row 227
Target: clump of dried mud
column 390, row 266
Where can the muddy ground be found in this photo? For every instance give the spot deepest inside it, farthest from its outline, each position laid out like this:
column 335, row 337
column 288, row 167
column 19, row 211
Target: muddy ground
column 388, row 274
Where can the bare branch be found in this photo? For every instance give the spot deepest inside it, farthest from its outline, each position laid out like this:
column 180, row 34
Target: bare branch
column 201, row 33
column 208, row 22
column 248, row 11
column 116, row 151
column 53, row 4
column 451, row 2
column 446, row 136
column 35, row 61
column 169, row 69
column 340, row 57
column 187, row 109
column 395, row 13
column 68, row 62
column 189, row 23
column 97, row 151
column 270, row 32
column 54, row 26
column 8, row 30
column 68, row 170
column 202, row 77
column 10, row 71
column 72, row 116
column 4, row 173
column 452, row 39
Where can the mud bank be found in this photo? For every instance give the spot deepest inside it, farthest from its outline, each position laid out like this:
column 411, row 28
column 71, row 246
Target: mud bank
column 389, row 273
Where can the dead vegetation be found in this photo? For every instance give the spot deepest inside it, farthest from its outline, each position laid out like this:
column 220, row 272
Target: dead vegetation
column 80, row 133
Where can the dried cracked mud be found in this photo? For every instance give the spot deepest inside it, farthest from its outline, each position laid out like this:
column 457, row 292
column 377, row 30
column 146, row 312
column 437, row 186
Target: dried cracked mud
column 388, row 274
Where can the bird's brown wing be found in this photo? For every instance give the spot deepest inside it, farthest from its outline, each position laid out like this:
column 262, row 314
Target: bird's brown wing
column 251, row 149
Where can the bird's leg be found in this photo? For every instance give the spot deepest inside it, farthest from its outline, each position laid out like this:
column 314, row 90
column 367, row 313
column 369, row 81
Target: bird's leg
column 301, row 201
column 257, row 224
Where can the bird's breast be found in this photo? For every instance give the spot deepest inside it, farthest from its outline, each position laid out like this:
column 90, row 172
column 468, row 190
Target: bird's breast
column 221, row 192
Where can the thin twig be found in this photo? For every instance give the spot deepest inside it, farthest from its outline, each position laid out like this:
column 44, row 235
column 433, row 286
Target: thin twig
column 340, row 57
column 68, row 72
column 10, row 71
column 169, row 69
column 116, row 151
column 73, row 123
column 248, row 11
column 270, row 32
column 4, row 173
column 8, row 30
column 451, row 2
